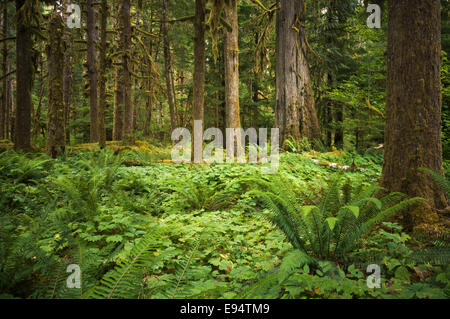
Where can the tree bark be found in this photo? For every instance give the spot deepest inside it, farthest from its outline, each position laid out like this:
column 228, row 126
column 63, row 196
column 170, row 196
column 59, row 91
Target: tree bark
column 92, row 59
column 199, row 70
column 24, row 78
column 149, row 84
column 67, row 76
column 413, row 110
column 56, row 141
column 167, row 64
column 231, row 55
column 118, row 96
column 102, row 76
column 125, row 41
column 295, row 112
column 4, row 105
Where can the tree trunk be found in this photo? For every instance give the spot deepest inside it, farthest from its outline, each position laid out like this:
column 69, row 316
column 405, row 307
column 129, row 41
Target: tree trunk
column 167, row 64
column 149, row 84
column 4, row 103
column 295, row 112
column 118, row 95
column 56, row 140
column 231, row 55
column 24, row 77
column 118, row 106
column 67, row 76
column 413, row 110
column 102, row 76
column 199, row 70
column 125, row 41
column 92, row 36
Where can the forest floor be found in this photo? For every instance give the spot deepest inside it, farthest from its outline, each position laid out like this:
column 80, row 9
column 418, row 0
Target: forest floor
column 210, row 236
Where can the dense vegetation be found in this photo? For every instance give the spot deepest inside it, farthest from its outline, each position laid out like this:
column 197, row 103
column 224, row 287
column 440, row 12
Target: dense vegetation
column 87, row 179
column 157, row 230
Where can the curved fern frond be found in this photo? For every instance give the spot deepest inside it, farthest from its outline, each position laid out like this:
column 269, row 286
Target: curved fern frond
column 123, row 281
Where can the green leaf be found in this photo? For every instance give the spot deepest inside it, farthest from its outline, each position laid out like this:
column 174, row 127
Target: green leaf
column 354, row 210
column 331, row 222
column 308, row 209
column 376, row 201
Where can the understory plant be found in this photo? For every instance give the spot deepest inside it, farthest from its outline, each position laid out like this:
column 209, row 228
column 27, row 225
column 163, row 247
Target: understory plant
column 330, row 224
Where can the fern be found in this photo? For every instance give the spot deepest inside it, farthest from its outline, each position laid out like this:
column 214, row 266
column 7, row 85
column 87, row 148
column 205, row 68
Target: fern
column 333, row 227
column 440, row 179
column 123, row 281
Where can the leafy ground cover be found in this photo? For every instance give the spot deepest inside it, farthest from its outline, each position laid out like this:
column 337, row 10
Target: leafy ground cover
column 142, row 228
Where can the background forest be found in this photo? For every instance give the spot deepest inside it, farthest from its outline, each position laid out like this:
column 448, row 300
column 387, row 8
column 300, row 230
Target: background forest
column 87, row 115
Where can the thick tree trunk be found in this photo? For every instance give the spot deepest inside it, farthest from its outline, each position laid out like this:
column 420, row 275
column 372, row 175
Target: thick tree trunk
column 231, row 55
column 199, row 71
column 10, row 107
column 67, row 76
column 413, row 110
column 167, row 64
column 295, row 112
column 149, row 84
column 118, row 106
column 102, row 76
column 56, row 140
column 24, row 78
column 125, row 40
column 118, row 95
column 92, row 36
column 4, row 103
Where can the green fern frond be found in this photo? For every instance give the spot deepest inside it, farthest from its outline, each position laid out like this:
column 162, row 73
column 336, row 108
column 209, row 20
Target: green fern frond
column 439, row 179
column 123, row 281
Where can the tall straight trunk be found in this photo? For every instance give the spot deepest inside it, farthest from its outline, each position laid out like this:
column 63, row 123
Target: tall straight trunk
column 136, row 70
column 295, row 112
column 4, row 103
column 102, row 76
column 36, row 126
column 413, row 109
column 199, row 70
column 167, row 64
column 24, row 77
column 231, row 56
column 118, row 106
column 148, row 83
column 67, row 76
column 125, row 41
column 92, row 36
column 118, row 93
column 10, row 105
column 56, row 141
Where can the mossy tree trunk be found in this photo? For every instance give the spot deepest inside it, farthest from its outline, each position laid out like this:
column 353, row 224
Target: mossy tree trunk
column 295, row 112
column 167, row 65
column 92, row 59
column 24, row 74
column 413, row 110
column 118, row 89
column 102, row 75
column 125, row 45
column 56, row 140
column 4, row 102
column 67, row 75
column 231, row 56
column 199, row 70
